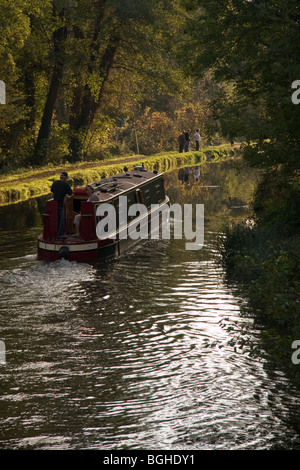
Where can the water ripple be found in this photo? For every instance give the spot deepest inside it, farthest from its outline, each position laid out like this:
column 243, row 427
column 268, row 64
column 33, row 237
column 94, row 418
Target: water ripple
column 138, row 352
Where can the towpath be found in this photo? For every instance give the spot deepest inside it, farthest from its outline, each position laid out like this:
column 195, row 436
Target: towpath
column 70, row 167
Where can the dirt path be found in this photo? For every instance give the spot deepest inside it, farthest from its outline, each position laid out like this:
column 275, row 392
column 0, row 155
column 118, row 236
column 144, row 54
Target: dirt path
column 47, row 173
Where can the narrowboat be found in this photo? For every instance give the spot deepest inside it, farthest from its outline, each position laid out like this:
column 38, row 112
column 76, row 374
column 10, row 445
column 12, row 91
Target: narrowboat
column 136, row 199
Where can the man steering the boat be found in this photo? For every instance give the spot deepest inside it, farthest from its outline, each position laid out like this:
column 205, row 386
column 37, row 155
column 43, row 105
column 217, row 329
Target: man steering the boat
column 60, row 189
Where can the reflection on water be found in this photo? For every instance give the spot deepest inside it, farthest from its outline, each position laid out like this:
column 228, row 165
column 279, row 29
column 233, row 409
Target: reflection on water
column 136, row 352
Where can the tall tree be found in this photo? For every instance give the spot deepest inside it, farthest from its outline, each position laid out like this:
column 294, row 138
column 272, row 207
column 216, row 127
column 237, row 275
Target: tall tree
column 100, row 47
column 251, row 46
column 58, row 43
column 75, row 64
column 26, row 31
column 15, row 31
column 124, row 39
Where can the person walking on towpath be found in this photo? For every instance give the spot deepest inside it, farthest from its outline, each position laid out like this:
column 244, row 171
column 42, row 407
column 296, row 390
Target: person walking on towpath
column 181, row 141
column 197, row 139
column 60, row 188
column 187, row 140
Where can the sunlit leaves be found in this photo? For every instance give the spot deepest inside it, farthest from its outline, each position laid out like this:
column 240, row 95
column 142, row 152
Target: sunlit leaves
column 252, row 47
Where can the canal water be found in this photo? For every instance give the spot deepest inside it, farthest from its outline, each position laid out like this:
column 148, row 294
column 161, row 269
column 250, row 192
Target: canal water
column 139, row 352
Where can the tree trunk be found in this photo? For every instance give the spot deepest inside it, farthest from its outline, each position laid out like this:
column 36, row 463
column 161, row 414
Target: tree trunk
column 40, row 151
column 89, row 106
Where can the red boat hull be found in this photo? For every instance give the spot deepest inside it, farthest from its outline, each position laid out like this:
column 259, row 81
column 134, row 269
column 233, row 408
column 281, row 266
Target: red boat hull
column 81, row 251
column 139, row 187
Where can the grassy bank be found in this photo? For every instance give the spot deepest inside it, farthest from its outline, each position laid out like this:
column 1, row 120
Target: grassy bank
column 26, row 184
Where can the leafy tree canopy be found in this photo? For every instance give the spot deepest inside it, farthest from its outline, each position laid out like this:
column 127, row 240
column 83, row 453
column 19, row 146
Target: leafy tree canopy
column 252, row 46
column 73, row 66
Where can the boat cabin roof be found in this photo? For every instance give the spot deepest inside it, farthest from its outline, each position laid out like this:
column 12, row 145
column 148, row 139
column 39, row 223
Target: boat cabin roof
column 112, row 186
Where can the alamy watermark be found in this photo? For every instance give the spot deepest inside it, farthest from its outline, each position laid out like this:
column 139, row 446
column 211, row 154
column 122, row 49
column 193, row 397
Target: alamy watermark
column 2, row 352
column 187, row 223
column 2, row 92
column 296, row 94
column 296, row 354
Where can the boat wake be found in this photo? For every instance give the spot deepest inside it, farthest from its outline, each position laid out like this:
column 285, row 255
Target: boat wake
column 58, row 274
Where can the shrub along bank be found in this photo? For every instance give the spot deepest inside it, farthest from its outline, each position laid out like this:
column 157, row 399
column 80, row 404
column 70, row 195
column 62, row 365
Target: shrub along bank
column 35, row 183
column 262, row 255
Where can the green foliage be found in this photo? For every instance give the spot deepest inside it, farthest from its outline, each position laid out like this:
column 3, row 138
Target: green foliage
column 262, row 255
column 21, row 186
column 73, row 67
column 58, row 144
column 251, row 48
column 266, row 262
column 277, row 200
